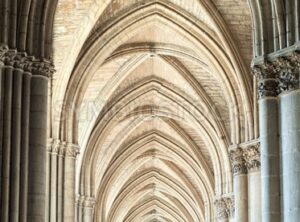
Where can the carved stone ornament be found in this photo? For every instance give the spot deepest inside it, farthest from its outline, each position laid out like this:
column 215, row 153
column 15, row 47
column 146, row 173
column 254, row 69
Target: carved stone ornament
column 225, row 208
column 71, row 150
column 42, row 68
column 288, row 72
column 238, row 162
column 56, row 147
column 3, row 51
column 20, row 60
column 267, row 80
column 252, row 157
column 278, row 76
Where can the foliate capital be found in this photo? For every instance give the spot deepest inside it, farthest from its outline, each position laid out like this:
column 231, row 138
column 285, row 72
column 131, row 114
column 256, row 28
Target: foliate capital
column 252, row 157
column 42, row 68
column 20, row 60
column 238, row 162
column 62, row 148
column 71, row 150
column 224, row 208
column 278, row 76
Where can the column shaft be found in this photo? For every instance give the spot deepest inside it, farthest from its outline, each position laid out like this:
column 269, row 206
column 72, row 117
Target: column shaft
column 37, row 150
column 6, row 143
column 240, row 185
column 1, row 130
column 60, row 182
column 88, row 214
column 53, row 189
column 15, row 146
column 270, row 170
column 290, row 151
column 254, row 196
column 24, row 146
column 241, row 197
column 48, row 180
column 69, row 183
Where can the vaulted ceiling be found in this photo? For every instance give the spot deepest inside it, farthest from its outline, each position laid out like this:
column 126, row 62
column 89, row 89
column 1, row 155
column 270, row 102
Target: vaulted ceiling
column 154, row 92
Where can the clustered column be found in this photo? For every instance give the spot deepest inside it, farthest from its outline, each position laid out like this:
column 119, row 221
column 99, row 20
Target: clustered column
column 246, row 171
column 61, row 181
column 269, row 138
column 23, row 126
column 280, row 132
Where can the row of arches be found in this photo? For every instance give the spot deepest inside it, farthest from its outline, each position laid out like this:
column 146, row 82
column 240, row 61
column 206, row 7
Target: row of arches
column 166, row 112
column 147, row 100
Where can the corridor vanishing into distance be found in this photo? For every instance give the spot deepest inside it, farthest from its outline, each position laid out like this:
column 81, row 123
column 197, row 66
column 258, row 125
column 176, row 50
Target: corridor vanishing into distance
column 149, row 111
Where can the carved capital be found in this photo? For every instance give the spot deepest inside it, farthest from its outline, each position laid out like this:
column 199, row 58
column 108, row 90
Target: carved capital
column 225, row 208
column 55, row 147
column 238, row 162
column 71, row 150
column 42, row 68
column 266, row 75
column 252, row 157
column 288, row 72
column 20, row 60
column 278, row 76
column 3, row 51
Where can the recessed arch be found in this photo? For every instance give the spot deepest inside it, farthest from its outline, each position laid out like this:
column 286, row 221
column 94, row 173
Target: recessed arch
column 102, row 55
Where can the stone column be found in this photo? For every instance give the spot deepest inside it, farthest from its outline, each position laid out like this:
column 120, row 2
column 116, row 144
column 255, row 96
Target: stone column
column 79, row 209
column 53, row 180
column 37, row 149
column 6, row 123
column 224, row 209
column 269, row 139
column 58, row 189
column 88, row 209
column 60, row 182
column 71, row 153
column 252, row 158
column 23, row 135
column 16, row 145
column 290, row 135
column 240, row 185
column 25, row 145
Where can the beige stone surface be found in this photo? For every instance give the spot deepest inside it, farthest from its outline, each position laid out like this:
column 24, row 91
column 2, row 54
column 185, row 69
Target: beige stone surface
column 159, row 91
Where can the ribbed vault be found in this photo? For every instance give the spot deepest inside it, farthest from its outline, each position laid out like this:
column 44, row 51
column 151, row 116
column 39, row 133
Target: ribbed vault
column 160, row 92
